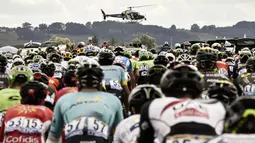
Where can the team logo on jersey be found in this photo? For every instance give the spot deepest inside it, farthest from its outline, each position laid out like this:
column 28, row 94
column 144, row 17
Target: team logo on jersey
column 191, row 112
column 25, row 109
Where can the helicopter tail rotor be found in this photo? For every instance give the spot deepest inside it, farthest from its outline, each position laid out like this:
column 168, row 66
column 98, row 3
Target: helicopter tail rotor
column 104, row 15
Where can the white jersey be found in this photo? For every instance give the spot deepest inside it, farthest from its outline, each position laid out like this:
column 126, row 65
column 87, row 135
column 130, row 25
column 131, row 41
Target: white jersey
column 127, row 130
column 64, row 64
column 81, row 58
column 58, row 70
column 168, row 114
column 234, row 138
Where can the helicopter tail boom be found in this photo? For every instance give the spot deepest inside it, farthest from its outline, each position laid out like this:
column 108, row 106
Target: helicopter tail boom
column 104, row 15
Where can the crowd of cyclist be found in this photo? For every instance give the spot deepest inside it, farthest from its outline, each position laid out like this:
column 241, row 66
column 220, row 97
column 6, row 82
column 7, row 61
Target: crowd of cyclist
column 194, row 94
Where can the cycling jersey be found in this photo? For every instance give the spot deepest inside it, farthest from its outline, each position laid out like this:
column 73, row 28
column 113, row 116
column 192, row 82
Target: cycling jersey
column 25, row 124
column 8, row 98
column 126, row 62
column 234, row 138
column 54, row 83
column 114, row 77
column 239, row 69
column 64, row 64
column 64, row 91
column 143, row 67
column 246, row 80
column 170, row 116
column 128, row 130
column 134, row 64
column 210, row 77
column 58, row 71
column 35, row 67
column 3, row 81
column 86, row 114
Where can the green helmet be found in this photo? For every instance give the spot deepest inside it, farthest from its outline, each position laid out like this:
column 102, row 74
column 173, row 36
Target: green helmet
column 151, row 57
column 20, row 74
column 143, row 56
column 128, row 54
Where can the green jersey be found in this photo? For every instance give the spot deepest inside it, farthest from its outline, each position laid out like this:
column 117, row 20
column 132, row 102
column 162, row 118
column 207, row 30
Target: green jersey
column 8, row 98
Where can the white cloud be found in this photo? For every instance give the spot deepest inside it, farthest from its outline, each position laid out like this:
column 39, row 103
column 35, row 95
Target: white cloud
column 182, row 13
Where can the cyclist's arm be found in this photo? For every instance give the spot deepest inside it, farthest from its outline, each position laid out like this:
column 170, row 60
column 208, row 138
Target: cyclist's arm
column 56, row 125
column 131, row 74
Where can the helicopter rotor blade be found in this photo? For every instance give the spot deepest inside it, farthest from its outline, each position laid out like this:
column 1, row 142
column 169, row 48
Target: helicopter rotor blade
column 141, row 6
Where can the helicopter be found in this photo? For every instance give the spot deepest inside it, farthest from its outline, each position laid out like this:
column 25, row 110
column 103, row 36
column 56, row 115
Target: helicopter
column 128, row 14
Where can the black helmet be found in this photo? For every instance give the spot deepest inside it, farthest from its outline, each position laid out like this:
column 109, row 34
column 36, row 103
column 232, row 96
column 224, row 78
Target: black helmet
column 106, row 57
column 153, row 51
column 161, row 60
column 244, row 56
column 183, row 79
column 69, row 79
column 155, row 73
column 194, row 48
column 250, row 65
column 55, row 57
column 143, row 93
column 43, row 54
column 3, row 63
column 223, row 90
column 206, row 58
column 41, row 77
column 119, row 51
column 33, row 92
column 48, row 68
column 90, row 75
column 240, row 117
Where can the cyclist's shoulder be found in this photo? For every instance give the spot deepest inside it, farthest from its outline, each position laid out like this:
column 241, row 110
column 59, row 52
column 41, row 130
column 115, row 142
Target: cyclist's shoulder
column 9, row 91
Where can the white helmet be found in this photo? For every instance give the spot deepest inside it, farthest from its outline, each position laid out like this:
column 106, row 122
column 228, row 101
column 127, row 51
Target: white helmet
column 184, row 58
column 166, row 43
column 170, row 56
column 177, row 45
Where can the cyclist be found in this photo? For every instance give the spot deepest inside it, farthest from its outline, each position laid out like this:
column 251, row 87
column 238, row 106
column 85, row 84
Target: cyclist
column 3, row 75
column 173, row 120
column 239, row 122
column 103, row 110
column 128, row 54
column 114, row 76
column 120, row 58
column 128, row 129
column 28, row 121
column 155, row 73
column 143, row 65
column 223, row 90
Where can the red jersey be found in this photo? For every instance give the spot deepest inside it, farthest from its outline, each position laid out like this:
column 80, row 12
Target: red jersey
column 25, row 124
column 64, row 91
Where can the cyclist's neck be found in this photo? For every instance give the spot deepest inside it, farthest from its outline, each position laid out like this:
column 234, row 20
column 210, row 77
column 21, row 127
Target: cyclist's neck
column 88, row 90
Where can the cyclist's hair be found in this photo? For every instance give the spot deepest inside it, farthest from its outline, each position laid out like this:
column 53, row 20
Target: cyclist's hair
column 69, row 79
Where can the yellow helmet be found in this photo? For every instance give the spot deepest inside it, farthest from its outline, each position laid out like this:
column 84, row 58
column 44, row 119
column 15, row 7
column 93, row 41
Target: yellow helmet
column 81, row 51
column 68, row 55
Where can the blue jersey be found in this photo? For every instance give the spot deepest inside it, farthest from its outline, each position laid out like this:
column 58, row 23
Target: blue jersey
column 94, row 112
column 114, row 76
column 126, row 62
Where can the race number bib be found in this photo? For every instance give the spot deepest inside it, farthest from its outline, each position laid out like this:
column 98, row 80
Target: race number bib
column 24, row 125
column 242, row 71
column 231, row 68
column 87, row 126
column 114, row 84
column 187, row 139
column 57, row 75
column 248, row 89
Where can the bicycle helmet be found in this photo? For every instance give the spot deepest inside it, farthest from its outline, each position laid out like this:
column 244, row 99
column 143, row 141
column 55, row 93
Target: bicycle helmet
column 170, row 57
column 184, row 58
column 81, row 44
column 41, row 77
column 33, row 93
column 55, row 57
column 106, row 57
column 143, row 56
column 161, row 60
column 206, row 58
column 216, row 46
column 223, row 90
column 142, row 94
column 153, row 51
column 250, row 65
column 151, row 57
column 8, row 56
column 181, row 81
column 155, row 73
column 37, row 58
column 16, row 56
column 81, row 52
column 90, row 51
column 20, row 74
column 18, row 62
column 43, row 54
column 69, row 79
column 240, row 117
column 194, row 48
column 128, row 54
column 244, row 56
column 90, row 75
column 50, row 49
column 48, row 68
column 119, row 51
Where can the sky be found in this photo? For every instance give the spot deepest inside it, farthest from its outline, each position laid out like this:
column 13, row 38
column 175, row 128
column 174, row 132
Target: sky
column 182, row 13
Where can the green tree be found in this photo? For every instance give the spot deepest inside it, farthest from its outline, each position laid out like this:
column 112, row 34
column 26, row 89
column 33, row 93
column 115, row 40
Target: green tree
column 113, row 41
column 146, row 40
column 43, row 27
column 194, row 28
column 95, row 40
column 27, row 25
